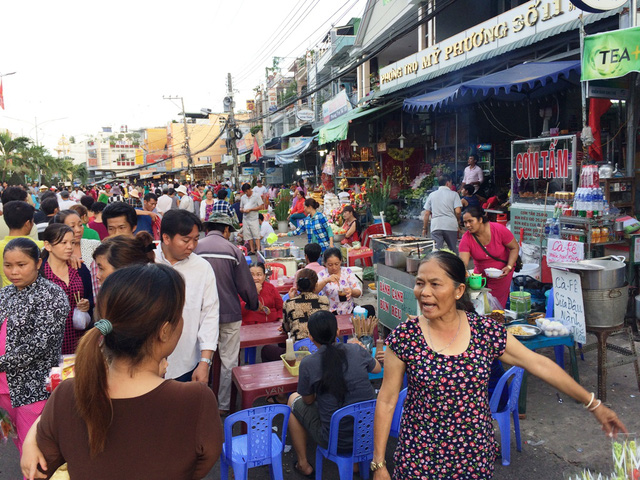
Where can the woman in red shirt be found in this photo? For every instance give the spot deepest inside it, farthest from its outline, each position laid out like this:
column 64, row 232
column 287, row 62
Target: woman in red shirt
column 270, row 309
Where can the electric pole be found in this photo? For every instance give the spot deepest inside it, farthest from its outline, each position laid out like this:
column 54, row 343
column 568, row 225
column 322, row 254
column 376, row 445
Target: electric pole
column 186, row 137
column 231, row 131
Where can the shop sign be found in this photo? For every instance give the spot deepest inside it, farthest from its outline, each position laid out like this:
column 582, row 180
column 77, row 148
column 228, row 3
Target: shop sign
column 596, row 6
column 512, row 26
column 250, row 171
column 547, row 164
column 382, row 147
column 568, row 305
column 613, row 93
column 395, row 302
column 336, row 107
column 564, row 251
column 611, row 54
column 305, row 115
column 273, row 99
column 274, row 176
column 531, row 220
column 251, row 105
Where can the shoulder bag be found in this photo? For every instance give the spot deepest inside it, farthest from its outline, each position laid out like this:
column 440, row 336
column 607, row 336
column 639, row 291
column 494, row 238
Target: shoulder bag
column 516, row 268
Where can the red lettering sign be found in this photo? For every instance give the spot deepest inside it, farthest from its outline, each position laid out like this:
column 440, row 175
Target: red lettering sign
column 384, row 305
column 384, row 288
column 396, row 312
column 397, row 295
column 519, row 166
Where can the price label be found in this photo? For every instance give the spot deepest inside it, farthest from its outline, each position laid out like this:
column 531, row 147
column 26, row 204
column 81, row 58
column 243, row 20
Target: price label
column 564, row 251
column 568, row 305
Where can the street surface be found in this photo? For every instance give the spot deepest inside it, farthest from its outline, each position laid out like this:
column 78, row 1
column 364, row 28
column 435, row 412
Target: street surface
column 558, row 438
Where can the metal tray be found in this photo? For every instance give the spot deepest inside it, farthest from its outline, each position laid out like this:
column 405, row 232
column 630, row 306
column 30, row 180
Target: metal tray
column 534, row 331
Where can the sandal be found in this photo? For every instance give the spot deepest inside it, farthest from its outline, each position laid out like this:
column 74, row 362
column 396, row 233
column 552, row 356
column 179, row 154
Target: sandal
column 311, row 475
column 273, row 400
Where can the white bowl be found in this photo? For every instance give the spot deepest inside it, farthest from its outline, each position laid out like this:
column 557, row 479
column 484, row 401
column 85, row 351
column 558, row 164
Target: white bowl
column 492, row 272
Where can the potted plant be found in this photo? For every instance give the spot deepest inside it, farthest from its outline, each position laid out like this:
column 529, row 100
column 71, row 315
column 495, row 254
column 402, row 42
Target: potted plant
column 378, row 194
column 281, row 209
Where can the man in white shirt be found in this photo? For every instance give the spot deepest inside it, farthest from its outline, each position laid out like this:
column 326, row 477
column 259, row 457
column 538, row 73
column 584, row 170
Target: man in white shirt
column 473, row 174
column 265, row 230
column 164, row 202
column 64, row 203
column 76, row 195
column 443, row 206
column 250, row 203
column 186, row 202
column 192, row 357
column 259, row 189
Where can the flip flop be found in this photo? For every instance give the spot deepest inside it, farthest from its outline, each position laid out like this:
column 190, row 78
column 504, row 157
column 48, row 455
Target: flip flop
column 273, row 400
column 311, row 475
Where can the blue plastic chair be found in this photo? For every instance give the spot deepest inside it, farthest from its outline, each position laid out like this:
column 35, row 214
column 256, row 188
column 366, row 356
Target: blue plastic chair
column 362, row 451
column 260, row 446
column 397, row 414
column 511, row 410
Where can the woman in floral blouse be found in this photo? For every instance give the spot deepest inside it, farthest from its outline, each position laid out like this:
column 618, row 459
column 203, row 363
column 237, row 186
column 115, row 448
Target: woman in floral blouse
column 338, row 283
column 32, row 317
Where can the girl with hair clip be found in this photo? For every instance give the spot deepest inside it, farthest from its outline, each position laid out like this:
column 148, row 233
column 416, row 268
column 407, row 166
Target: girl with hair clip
column 118, row 418
column 122, row 251
column 32, row 320
column 58, row 247
column 316, row 226
column 335, row 376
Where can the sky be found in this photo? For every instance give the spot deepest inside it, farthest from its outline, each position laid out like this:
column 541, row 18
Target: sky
column 81, row 66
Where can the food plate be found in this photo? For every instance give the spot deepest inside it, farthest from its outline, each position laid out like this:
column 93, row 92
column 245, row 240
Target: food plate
column 523, row 332
column 492, row 272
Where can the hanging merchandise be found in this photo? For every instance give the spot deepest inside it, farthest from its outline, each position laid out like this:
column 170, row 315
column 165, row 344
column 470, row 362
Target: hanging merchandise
column 329, row 166
column 400, row 155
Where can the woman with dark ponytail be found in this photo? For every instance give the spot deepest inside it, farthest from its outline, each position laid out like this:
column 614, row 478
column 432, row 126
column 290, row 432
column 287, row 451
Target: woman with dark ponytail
column 335, row 376
column 315, row 224
column 137, row 424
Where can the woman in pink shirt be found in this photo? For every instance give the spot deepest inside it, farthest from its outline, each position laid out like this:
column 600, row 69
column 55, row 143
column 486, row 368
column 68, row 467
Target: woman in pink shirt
column 498, row 242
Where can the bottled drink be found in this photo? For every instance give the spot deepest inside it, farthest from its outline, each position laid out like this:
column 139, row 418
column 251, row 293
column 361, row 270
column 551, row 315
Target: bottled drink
column 547, row 227
column 555, row 232
column 589, row 202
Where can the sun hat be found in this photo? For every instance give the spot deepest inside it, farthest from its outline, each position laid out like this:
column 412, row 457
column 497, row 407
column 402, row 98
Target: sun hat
column 134, row 193
column 223, row 218
column 182, row 189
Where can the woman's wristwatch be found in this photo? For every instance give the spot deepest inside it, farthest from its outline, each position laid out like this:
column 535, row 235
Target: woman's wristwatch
column 377, row 466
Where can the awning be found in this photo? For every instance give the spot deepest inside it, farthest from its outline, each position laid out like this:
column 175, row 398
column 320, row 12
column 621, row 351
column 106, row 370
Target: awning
column 291, row 154
column 337, row 129
column 527, row 80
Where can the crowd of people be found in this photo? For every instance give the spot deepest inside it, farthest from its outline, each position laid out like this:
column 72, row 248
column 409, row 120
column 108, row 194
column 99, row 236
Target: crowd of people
column 159, row 299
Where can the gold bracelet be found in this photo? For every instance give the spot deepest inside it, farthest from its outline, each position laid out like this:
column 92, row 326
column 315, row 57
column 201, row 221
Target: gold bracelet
column 377, row 466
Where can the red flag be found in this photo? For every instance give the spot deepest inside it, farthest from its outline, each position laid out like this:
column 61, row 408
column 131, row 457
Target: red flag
column 1, row 97
column 256, row 151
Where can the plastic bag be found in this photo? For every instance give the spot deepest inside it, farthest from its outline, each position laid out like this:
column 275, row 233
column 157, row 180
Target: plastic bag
column 7, row 429
column 485, row 303
column 81, row 319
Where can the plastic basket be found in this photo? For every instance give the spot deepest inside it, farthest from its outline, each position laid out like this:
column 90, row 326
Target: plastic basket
column 300, row 354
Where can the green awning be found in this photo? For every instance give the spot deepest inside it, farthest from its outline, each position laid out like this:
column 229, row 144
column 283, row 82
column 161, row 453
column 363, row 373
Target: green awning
column 337, row 129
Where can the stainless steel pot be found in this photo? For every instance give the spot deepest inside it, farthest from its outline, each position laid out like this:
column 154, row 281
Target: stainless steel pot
column 277, row 251
column 612, row 274
column 396, row 259
column 605, row 308
column 413, row 262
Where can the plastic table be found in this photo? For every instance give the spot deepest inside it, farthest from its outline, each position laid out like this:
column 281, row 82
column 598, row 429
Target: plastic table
column 542, row 341
column 261, row 380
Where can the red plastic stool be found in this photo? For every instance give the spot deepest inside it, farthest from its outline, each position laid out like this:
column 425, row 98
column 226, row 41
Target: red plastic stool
column 502, row 219
column 364, row 254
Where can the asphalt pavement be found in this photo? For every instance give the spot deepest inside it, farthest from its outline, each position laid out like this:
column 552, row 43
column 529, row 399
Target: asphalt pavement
column 559, row 437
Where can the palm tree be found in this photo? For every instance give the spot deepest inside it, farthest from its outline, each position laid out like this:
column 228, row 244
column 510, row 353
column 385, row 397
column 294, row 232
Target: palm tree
column 80, row 173
column 11, row 153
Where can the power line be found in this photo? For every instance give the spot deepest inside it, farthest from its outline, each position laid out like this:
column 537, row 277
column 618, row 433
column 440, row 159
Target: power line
column 406, row 28
column 276, row 33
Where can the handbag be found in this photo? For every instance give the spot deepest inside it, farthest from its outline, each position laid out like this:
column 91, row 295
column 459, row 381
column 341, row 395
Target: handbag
column 518, row 265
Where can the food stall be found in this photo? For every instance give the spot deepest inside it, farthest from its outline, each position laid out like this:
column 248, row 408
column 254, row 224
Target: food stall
column 397, row 258
column 540, row 167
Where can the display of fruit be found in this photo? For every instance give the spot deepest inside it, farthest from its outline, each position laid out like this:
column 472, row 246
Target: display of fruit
column 392, row 215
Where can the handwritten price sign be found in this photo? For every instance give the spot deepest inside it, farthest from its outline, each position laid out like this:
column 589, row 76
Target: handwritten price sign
column 564, row 251
column 568, row 305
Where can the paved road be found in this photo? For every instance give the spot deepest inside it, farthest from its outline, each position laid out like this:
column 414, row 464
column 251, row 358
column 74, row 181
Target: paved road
column 558, row 438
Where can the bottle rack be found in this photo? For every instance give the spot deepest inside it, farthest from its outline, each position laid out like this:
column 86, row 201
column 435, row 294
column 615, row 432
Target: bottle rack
column 584, row 230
